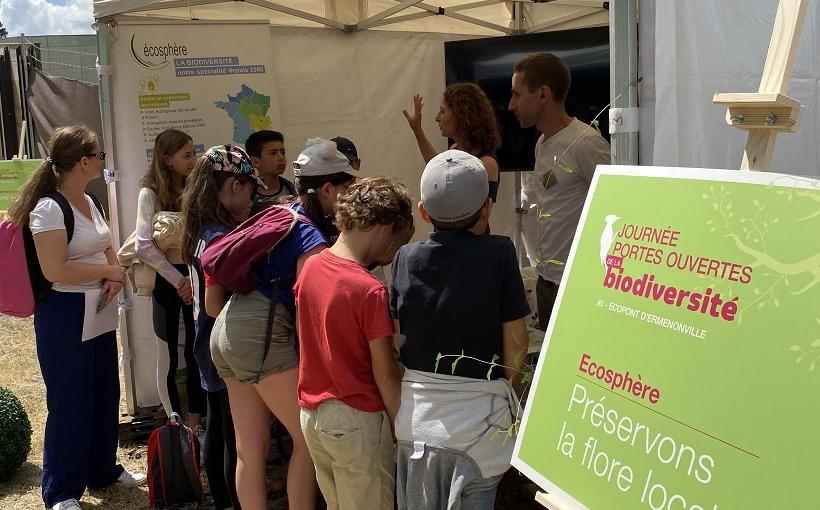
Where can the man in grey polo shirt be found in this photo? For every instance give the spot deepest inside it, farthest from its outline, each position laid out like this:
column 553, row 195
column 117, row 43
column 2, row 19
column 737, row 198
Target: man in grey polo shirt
column 566, row 155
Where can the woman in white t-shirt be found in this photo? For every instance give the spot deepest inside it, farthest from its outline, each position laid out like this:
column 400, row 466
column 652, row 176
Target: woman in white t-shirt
column 75, row 323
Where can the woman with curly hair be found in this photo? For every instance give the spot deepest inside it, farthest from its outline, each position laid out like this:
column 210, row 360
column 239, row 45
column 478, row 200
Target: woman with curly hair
column 466, row 115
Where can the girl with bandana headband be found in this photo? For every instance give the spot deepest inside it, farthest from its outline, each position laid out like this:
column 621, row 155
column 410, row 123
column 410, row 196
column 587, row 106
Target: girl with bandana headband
column 217, row 197
column 238, row 339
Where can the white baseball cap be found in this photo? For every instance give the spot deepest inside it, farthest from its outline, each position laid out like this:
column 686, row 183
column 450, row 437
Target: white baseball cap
column 454, row 186
column 321, row 157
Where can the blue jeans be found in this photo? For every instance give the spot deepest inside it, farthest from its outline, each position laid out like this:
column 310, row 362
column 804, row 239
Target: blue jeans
column 82, row 397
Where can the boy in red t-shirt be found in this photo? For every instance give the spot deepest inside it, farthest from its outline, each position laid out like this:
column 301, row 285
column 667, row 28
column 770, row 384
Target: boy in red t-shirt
column 349, row 381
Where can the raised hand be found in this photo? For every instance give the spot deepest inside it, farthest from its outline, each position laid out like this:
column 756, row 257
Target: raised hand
column 415, row 119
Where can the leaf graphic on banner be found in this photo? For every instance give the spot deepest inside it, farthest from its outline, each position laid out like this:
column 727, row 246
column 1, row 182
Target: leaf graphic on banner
column 812, row 353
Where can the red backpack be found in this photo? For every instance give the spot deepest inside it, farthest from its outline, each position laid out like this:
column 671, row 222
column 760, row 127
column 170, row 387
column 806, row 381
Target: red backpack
column 230, row 258
column 173, row 467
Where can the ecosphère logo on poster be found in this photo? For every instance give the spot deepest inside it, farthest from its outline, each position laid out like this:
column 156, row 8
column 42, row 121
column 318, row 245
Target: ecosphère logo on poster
column 148, row 55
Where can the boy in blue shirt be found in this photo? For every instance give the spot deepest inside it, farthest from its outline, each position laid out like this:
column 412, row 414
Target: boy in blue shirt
column 458, row 292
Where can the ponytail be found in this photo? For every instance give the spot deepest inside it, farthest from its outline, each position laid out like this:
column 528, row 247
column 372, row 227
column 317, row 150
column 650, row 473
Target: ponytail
column 67, row 146
column 305, row 186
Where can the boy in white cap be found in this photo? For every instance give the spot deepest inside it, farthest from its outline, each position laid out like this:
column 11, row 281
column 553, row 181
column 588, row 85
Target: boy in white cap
column 459, row 293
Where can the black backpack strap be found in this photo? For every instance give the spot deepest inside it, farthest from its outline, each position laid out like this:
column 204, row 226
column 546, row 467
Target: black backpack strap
column 274, row 299
column 97, row 204
column 68, row 213
column 39, row 284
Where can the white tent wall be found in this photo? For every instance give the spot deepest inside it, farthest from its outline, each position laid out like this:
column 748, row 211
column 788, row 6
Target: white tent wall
column 360, row 92
column 702, row 47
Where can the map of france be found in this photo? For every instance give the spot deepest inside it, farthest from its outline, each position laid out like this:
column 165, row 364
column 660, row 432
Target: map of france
column 249, row 111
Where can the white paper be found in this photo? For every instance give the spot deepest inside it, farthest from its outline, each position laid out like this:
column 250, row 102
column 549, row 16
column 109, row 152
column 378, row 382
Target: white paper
column 95, row 324
column 623, row 120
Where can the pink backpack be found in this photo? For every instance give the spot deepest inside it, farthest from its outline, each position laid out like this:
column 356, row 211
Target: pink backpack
column 16, row 296
column 230, row 258
column 22, row 283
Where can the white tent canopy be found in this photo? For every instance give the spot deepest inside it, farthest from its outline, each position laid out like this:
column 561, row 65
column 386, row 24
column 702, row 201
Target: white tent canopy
column 464, row 17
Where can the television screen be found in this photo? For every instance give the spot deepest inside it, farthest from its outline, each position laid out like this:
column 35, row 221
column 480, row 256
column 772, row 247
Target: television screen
column 489, row 63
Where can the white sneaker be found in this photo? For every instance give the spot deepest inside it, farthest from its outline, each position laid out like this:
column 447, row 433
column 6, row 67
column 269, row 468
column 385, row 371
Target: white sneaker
column 69, row 504
column 128, row 479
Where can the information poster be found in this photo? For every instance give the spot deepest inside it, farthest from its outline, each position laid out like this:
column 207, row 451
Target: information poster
column 682, row 370
column 211, row 80
column 13, row 175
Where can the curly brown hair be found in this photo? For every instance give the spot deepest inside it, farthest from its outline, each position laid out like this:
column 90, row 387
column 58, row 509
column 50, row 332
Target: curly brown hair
column 375, row 201
column 474, row 118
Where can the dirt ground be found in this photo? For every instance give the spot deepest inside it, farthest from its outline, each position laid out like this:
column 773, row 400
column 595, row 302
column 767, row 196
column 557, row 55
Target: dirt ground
column 20, row 372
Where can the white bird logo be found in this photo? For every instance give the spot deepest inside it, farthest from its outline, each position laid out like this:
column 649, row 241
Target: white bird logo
column 607, row 236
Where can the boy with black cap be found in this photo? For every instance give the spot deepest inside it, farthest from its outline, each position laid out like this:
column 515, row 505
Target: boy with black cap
column 458, row 293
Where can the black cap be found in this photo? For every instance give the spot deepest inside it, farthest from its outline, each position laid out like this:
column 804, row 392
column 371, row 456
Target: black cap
column 346, row 147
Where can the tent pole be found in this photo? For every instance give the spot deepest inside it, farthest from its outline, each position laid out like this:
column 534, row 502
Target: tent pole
column 623, row 70
column 296, row 12
column 107, row 119
column 365, row 24
column 517, row 18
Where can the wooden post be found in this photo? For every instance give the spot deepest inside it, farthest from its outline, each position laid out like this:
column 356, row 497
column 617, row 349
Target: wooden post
column 549, row 501
column 770, row 110
column 21, row 147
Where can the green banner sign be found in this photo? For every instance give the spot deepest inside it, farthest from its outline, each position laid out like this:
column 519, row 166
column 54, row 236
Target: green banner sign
column 13, row 174
column 681, row 370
